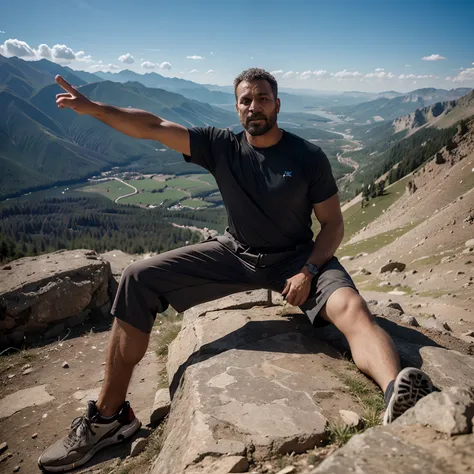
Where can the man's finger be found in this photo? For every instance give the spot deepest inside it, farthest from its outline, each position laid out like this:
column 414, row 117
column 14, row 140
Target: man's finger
column 287, row 287
column 65, row 85
column 65, row 94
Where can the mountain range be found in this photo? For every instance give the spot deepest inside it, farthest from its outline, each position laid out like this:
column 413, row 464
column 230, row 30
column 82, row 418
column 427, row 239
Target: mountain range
column 390, row 106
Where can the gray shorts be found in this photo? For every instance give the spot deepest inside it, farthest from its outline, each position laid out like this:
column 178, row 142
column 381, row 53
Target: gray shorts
column 217, row 267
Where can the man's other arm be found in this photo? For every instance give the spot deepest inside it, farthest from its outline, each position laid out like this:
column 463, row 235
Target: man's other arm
column 331, row 234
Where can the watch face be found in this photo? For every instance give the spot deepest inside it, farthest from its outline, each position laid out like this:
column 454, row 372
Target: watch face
column 313, row 269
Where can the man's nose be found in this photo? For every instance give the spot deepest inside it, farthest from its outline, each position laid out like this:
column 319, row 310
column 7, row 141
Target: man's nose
column 254, row 106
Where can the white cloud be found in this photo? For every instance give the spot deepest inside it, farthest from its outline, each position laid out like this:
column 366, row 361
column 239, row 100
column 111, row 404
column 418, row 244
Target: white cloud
column 306, row 74
column 407, row 65
column 44, row 51
column 210, row 71
column 345, row 74
column 15, row 47
column 211, row 52
column 62, row 53
column 2, row 32
column 433, row 57
column 194, row 57
column 379, row 69
column 165, row 65
column 193, row 71
column 277, row 72
column 321, row 74
column 449, row 78
column 81, row 56
column 113, row 67
column 466, row 75
column 380, row 75
column 405, row 77
column 287, row 74
column 126, row 58
column 148, row 65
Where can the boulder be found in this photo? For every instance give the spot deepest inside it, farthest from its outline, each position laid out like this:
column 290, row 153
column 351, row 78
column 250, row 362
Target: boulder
column 42, row 291
column 138, row 446
column 399, row 449
column 161, row 406
column 392, row 266
column 433, row 323
column 243, row 300
column 223, row 465
column 469, row 243
column 410, row 320
column 247, row 380
column 450, row 411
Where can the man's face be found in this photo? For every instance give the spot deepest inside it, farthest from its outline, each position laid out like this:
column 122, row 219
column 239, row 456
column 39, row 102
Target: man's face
column 256, row 106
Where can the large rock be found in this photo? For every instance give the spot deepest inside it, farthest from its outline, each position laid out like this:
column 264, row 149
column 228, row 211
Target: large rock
column 401, row 450
column 450, row 411
column 390, row 267
column 247, row 382
column 243, row 300
column 27, row 397
column 39, row 291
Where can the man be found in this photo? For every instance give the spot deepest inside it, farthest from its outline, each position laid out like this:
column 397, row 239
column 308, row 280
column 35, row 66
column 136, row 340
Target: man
column 271, row 181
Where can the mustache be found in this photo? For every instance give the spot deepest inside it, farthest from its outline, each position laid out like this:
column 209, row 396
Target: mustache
column 256, row 117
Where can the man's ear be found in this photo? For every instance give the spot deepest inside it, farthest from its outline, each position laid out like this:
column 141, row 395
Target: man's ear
column 278, row 103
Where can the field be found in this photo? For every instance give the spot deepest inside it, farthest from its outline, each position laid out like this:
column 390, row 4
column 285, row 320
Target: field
column 111, row 189
column 355, row 217
column 146, row 184
column 146, row 198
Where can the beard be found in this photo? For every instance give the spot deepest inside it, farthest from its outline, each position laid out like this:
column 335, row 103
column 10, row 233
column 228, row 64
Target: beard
column 259, row 128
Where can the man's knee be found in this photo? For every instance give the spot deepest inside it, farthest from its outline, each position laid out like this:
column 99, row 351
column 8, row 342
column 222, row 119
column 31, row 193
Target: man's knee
column 347, row 310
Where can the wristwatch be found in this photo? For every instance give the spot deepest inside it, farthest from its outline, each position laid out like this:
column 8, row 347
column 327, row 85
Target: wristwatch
column 313, row 269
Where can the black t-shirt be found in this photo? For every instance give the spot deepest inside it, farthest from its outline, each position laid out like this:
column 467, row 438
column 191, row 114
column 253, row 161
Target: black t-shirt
column 268, row 192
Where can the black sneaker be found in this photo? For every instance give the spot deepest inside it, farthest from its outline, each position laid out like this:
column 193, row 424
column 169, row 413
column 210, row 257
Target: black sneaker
column 410, row 386
column 89, row 433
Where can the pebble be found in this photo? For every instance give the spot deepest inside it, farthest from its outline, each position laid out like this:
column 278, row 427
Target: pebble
column 11, row 376
column 65, row 365
column 287, row 470
column 34, row 436
column 27, row 371
column 16, row 469
column 3, row 447
column 138, row 446
column 26, row 366
column 45, row 415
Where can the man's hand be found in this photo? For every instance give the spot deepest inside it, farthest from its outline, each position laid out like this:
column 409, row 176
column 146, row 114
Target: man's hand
column 73, row 99
column 297, row 288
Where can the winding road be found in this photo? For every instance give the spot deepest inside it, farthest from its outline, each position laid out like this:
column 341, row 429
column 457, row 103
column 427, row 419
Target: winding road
column 135, row 190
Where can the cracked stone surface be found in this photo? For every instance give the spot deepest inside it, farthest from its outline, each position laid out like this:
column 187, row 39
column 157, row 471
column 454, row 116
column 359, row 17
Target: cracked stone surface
column 248, row 382
column 401, row 450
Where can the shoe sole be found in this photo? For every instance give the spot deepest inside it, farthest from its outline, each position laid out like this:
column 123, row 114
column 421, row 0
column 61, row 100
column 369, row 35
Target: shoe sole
column 411, row 385
column 125, row 432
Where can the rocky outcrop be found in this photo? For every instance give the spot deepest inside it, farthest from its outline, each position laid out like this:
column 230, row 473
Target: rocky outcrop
column 257, row 382
column 48, row 293
column 248, row 383
column 413, row 444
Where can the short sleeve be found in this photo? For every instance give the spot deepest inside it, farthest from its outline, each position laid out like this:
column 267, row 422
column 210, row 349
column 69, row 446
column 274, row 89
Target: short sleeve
column 206, row 145
column 322, row 184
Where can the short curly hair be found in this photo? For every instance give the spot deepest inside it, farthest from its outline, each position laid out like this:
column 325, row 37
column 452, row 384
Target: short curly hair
column 255, row 74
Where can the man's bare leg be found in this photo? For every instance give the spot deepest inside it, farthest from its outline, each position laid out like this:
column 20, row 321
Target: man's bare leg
column 372, row 348
column 127, row 346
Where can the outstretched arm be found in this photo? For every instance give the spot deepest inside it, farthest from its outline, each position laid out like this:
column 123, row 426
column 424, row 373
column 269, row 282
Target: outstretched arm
column 136, row 123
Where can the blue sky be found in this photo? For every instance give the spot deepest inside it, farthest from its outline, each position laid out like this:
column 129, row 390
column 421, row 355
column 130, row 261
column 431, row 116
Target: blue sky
column 324, row 45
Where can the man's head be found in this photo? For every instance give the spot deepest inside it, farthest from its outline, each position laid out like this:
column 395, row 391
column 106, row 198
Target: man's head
column 257, row 102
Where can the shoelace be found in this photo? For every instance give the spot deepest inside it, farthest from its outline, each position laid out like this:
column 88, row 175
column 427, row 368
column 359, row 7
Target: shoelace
column 80, row 426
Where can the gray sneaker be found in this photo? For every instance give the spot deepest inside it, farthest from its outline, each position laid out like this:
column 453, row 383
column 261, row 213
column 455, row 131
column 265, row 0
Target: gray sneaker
column 410, row 386
column 88, row 435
